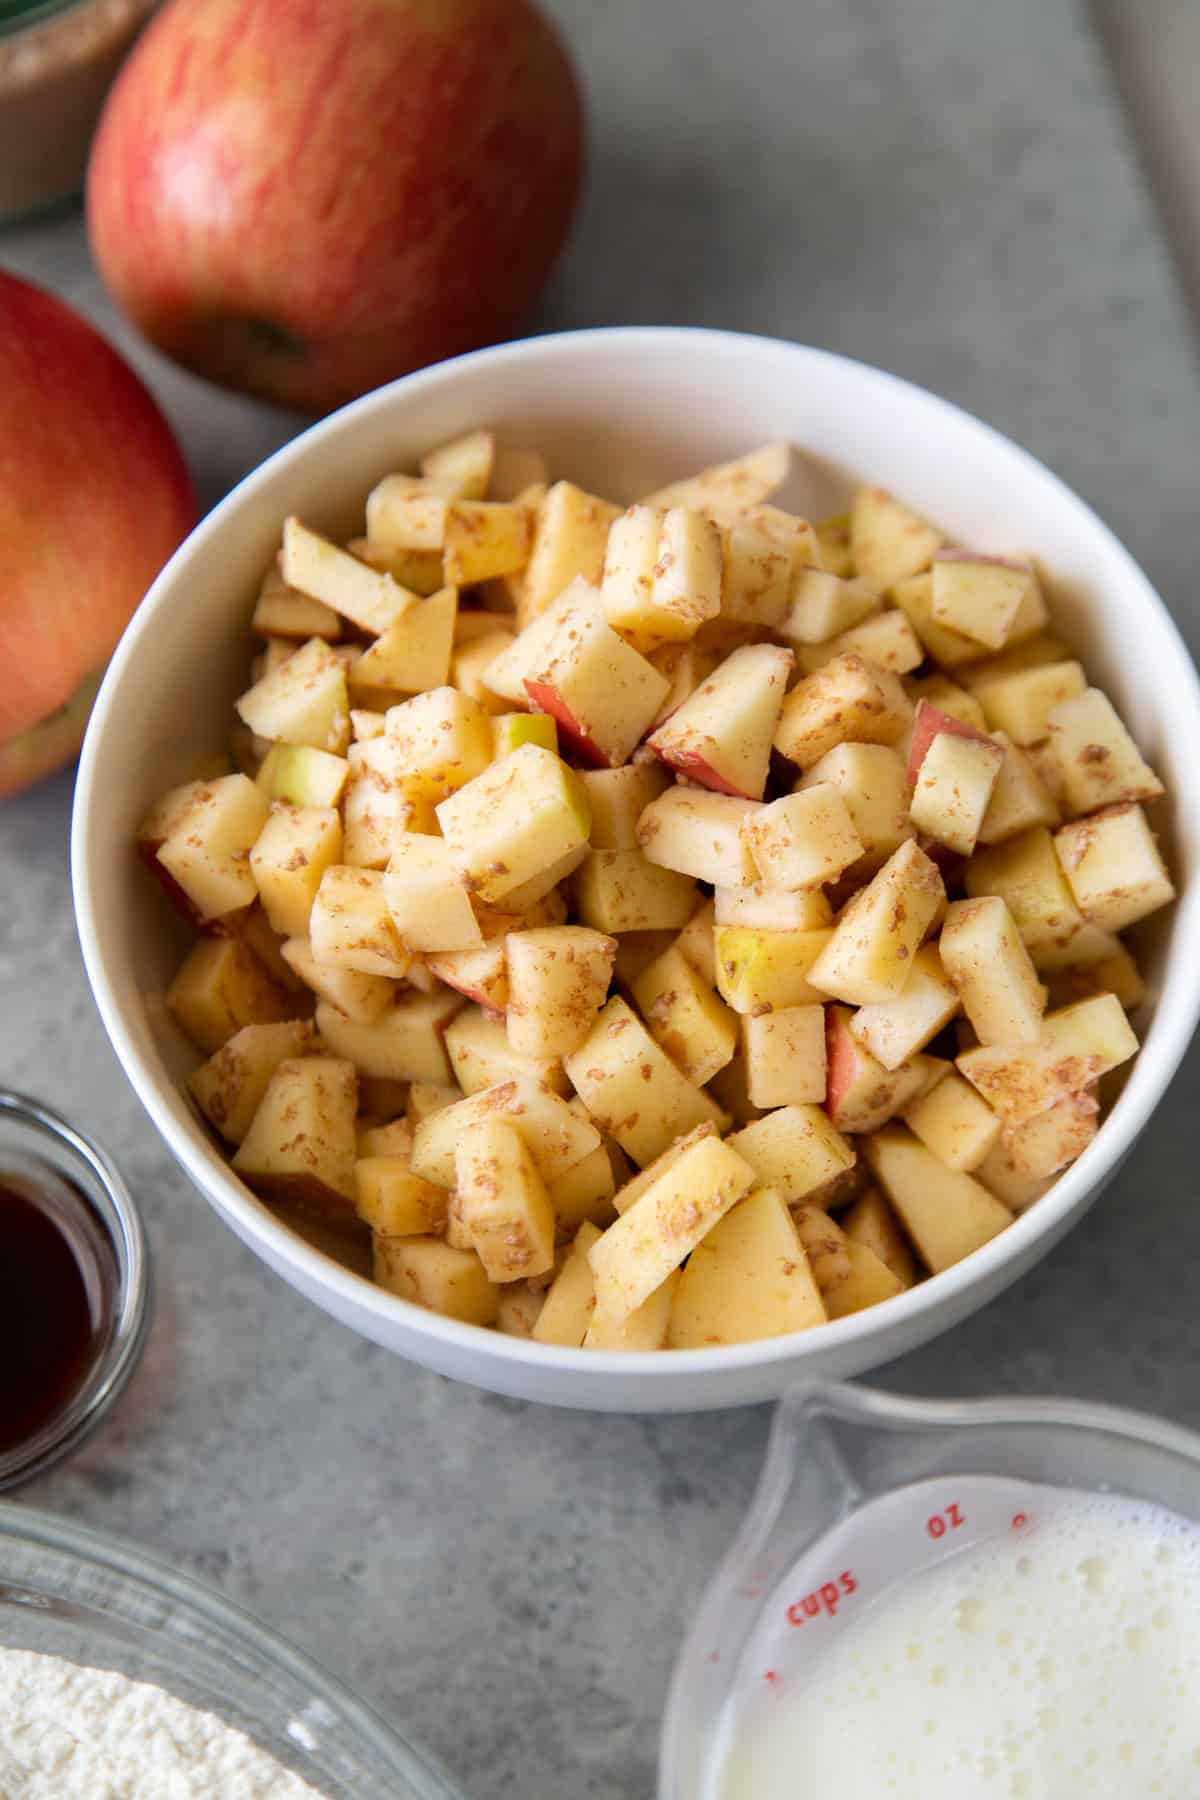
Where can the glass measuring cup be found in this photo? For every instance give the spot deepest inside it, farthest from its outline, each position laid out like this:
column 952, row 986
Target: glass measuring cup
column 862, row 1489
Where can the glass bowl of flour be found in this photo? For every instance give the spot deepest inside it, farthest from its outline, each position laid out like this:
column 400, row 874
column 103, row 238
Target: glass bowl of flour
column 121, row 1678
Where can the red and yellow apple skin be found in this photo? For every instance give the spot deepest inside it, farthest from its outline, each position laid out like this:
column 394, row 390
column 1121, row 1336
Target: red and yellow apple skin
column 94, row 497
column 305, row 200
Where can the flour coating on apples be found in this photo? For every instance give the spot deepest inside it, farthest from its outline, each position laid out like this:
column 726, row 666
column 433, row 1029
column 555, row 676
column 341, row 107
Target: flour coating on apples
column 1061, row 1660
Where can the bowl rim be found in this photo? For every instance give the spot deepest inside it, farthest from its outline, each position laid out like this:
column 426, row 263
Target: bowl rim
column 1176, row 1015
column 84, row 1545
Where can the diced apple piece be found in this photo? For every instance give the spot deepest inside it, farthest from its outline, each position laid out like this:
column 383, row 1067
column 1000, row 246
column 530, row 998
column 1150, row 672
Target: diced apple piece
column 482, row 975
column 517, row 819
column 630, row 556
column 557, row 1136
column 303, row 702
column 696, row 943
column 462, row 467
column 406, row 513
column 728, row 490
column 1026, row 874
column 376, row 811
column 756, row 576
column 785, row 1056
column 999, row 1175
column 651, row 1239
column 484, row 539
column 1031, row 653
column 570, row 1302
column 169, row 812
column 887, row 641
column 833, row 536
column 849, row 1275
column 631, row 1190
column 692, row 1025
column 288, row 861
column 1040, row 1147
column 1101, row 764
column 1114, row 866
column 302, row 776
column 952, row 649
column 393, row 1139
column 300, row 1147
column 748, row 1279
column 979, row 596
column 795, row 1149
column 861, row 1093
column 888, row 540
column 618, row 798
column 954, row 1122
column 721, row 737
column 511, row 730
column 413, row 653
column 361, row 997
column 894, row 1030
column 822, row 605
column 1115, row 973
column 953, row 788
column 685, row 578
column 1076, row 1046
column 584, row 1192
column 420, row 571
column 645, row 1328
column 636, row 950
column 558, row 978
column 772, row 909
column 848, row 700
column 514, row 470
column 761, row 970
column 803, row 840
column 254, row 929
column 220, row 987
column 396, row 1203
column 1020, row 799
column 350, row 926
column 440, row 741
column 632, row 1088
column 930, row 722
column 482, row 1056
column 698, row 833
column 872, row 1223
column 471, row 664
column 425, row 897
column 403, row 1044
column 503, row 1201
column 369, row 598
column 989, row 965
column 685, row 667
column 284, row 612
column 621, row 891
column 870, row 955
column 870, row 779
column 426, row 1097
column 947, row 698
column 524, row 656
column 229, row 1087
column 1020, row 704
column 602, row 694
column 569, row 541
column 435, row 1275
column 946, row 1212
column 206, row 853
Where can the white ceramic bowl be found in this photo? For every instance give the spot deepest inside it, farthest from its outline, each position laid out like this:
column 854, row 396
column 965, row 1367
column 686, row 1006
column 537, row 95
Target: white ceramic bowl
column 623, row 411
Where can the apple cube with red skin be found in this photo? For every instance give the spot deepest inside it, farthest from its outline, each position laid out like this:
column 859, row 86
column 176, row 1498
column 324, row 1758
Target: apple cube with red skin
column 698, row 833
column 558, row 978
column 862, row 1094
column 413, row 654
column 721, row 736
column 427, row 901
column 1101, row 764
column 209, row 831
column 987, row 962
column 981, row 596
column 953, row 788
column 848, row 701
column 569, row 540
column 230, row 1085
column 803, row 840
column 632, row 1088
column 796, row 1149
column 599, row 691
column 946, row 1212
column 695, row 1028
column 871, row 781
column 1075, row 1047
column 759, row 970
column 888, row 540
column 369, row 598
column 362, row 998
column 894, row 1030
column 405, row 1043
column 301, row 1144
column 288, row 860
column 749, row 1278
column 954, row 1122
column 482, row 975
column 1114, row 866
column 948, row 697
column 929, row 722
column 521, row 818
column 440, row 741
column 503, row 1201
column 870, row 955
column 785, row 1056
column 822, row 605
column 756, row 576
column 727, row 491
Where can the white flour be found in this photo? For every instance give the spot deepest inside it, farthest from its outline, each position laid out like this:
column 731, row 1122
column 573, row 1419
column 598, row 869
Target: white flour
column 71, row 1733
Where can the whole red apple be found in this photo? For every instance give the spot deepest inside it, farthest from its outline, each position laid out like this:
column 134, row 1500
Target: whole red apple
column 94, row 497
column 307, row 198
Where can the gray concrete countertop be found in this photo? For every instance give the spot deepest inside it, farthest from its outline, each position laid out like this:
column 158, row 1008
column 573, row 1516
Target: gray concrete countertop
column 943, row 187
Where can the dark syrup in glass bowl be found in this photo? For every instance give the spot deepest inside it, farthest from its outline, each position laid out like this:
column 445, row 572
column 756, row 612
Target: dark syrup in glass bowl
column 47, row 1321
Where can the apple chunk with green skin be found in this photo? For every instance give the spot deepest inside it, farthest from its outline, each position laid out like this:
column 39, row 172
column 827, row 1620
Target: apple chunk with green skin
column 503, row 1201
column 632, row 1088
column 721, row 736
column 302, row 776
column 303, row 702
column 870, row 955
column 428, row 903
column 758, row 970
column 301, row 1144
column 205, row 852
column 599, row 691
column 520, row 817
column 558, row 978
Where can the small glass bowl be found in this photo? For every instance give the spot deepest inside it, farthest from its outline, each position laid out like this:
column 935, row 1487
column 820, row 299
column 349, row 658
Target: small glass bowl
column 69, row 1592
column 102, row 1223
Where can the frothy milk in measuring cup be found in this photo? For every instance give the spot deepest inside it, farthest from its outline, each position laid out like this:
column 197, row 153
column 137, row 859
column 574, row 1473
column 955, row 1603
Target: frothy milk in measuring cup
column 1056, row 1655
